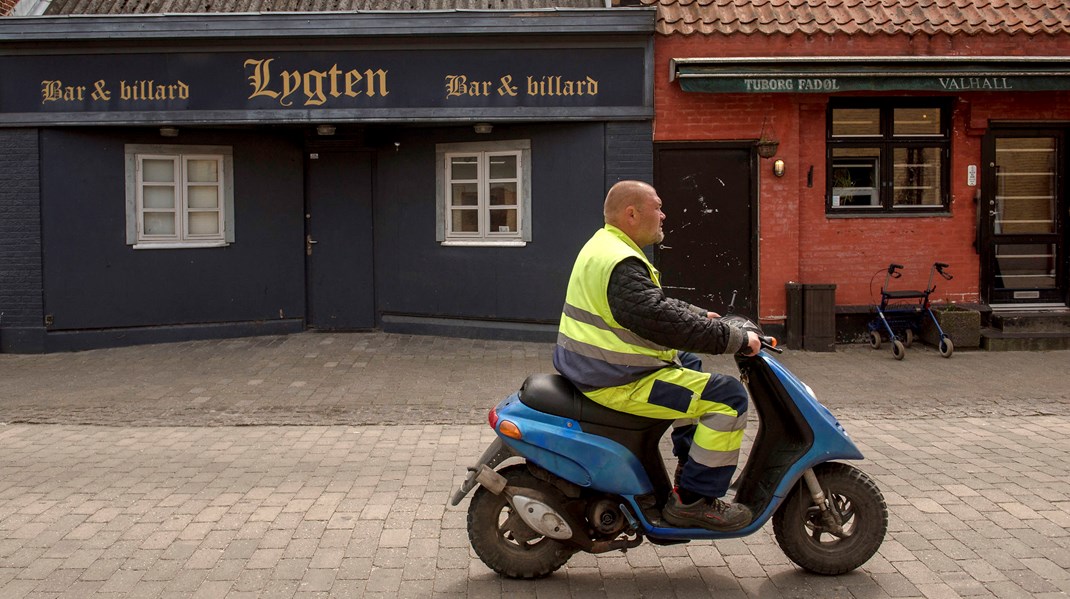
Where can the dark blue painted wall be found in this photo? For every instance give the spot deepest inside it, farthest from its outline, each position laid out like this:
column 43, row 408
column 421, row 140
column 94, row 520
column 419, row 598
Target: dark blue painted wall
column 93, row 279
column 418, row 276
column 21, row 313
column 100, row 292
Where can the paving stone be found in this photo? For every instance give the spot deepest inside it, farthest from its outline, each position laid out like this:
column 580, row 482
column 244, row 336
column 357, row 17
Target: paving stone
column 315, row 469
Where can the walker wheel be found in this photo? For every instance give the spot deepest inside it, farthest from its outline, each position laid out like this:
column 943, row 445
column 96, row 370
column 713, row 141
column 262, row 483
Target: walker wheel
column 946, row 347
column 908, row 337
column 898, row 350
column 874, row 339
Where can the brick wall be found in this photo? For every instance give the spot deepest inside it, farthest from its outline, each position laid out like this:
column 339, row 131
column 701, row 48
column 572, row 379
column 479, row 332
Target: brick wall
column 798, row 241
column 6, row 6
column 629, row 152
column 20, row 232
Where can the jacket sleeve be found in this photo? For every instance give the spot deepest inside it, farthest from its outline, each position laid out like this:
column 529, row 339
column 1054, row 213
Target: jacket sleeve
column 643, row 308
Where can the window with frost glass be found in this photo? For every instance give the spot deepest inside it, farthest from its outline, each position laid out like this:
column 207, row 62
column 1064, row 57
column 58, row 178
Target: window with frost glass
column 484, row 193
column 179, row 196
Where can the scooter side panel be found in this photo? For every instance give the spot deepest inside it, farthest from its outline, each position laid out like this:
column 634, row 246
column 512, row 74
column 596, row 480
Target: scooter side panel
column 830, row 442
column 548, row 440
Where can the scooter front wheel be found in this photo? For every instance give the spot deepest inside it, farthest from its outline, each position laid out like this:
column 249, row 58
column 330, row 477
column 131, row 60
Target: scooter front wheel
column 859, row 521
column 501, row 538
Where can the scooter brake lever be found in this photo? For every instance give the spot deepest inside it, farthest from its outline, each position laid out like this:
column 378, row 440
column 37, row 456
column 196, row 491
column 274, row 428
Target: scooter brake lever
column 770, row 344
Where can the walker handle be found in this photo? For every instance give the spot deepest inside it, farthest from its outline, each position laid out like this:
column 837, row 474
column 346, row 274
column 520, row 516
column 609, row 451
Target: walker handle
column 893, row 270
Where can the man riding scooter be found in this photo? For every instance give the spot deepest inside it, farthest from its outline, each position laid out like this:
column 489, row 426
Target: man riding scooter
column 616, row 343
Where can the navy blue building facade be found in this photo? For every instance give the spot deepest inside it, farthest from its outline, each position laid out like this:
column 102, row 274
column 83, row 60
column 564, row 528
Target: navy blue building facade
column 170, row 178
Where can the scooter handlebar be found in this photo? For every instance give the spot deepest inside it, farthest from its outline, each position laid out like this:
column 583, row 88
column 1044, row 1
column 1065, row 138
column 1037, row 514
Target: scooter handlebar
column 769, row 342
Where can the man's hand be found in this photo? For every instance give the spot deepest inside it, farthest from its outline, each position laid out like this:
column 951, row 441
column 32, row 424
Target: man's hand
column 712, row 315
column 753, row 345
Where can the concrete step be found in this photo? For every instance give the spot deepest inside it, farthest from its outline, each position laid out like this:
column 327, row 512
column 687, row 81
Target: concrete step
column 1031, row 322
column 998, row 340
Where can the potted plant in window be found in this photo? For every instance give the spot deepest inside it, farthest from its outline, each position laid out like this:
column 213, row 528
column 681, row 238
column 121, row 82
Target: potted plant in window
column 841, row 179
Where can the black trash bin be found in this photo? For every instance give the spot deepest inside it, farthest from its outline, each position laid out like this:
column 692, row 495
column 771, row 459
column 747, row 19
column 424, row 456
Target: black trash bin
column 819, row 317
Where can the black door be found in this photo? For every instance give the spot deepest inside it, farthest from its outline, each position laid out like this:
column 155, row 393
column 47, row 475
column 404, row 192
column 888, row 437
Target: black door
column 710, row 249
column 1022, row 218
column 338, row 240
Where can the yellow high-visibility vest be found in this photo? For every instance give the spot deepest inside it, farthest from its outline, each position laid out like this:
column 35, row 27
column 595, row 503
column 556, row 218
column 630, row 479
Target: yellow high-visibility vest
column 594, row 349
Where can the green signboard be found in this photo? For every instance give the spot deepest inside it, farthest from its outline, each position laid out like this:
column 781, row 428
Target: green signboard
column 833, row 75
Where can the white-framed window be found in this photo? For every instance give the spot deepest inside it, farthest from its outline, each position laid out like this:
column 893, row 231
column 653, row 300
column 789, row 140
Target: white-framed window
column 484, row 193
column 179, row 196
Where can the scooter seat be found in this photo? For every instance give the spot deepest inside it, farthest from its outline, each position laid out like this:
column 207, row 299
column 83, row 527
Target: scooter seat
column 554, row 394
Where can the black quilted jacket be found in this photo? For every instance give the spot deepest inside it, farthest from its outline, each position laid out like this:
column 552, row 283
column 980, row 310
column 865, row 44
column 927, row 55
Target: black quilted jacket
column 643, row 308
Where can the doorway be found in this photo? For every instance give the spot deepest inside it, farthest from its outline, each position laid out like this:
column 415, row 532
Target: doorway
column 710, row 251
column 340, row 282
column 1022, row 219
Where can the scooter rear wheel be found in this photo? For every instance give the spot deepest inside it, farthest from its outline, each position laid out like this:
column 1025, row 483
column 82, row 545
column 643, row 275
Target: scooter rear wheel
column 502, row 540
column 811, row 544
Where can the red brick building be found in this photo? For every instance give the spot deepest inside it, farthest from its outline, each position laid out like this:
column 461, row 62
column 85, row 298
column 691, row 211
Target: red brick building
column 909, row 131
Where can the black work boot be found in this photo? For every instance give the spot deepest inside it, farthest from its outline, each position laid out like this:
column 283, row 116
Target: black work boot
column 711, row 514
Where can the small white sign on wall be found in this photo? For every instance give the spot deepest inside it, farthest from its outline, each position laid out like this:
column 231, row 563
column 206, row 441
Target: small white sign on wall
column 971, row 175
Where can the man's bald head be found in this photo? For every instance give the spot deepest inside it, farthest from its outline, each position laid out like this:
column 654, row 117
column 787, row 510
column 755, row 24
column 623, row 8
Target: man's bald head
column 621, row 196
column 635, row 208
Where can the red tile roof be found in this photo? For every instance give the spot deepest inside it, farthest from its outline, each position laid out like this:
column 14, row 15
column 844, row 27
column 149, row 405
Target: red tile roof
column 866, row 17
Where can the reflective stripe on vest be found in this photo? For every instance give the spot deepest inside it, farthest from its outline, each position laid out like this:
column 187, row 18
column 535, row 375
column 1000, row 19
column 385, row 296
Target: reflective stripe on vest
column 601, row 351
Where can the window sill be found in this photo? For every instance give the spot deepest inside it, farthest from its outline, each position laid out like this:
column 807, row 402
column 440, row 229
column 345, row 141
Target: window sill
column 874, row 214
column 509, row 243
column 180, row 245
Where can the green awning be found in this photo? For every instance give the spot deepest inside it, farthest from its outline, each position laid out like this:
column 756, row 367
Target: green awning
column 832, row 74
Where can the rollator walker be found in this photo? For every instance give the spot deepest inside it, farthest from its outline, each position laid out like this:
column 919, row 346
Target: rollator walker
column 901, row 312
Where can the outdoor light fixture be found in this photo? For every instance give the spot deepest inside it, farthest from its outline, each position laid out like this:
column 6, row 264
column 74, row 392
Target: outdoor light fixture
column 169, row 131
column 778, row 167
column 324, row 129
column 483, row 127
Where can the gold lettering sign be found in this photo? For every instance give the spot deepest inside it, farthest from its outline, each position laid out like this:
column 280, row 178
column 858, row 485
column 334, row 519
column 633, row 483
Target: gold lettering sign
column 542, row 87
column 313, row 87
column 140, row 90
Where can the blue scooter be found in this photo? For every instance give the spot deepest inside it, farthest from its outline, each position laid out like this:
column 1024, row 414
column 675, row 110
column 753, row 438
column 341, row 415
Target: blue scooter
column 578, row 476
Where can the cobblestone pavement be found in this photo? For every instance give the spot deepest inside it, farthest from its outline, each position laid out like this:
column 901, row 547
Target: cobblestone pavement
column 330, row 498
column 378, row 378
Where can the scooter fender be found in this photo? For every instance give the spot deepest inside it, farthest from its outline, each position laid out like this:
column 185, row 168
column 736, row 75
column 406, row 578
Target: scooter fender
column 557, row 444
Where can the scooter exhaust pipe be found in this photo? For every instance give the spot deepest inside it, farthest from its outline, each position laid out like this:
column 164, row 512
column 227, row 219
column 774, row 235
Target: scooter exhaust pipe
column 540, row 517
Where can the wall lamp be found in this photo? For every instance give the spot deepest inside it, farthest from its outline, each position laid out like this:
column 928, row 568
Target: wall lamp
column 325, row 130
column 169, row 131
column 483, row 128
column 778, row 167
